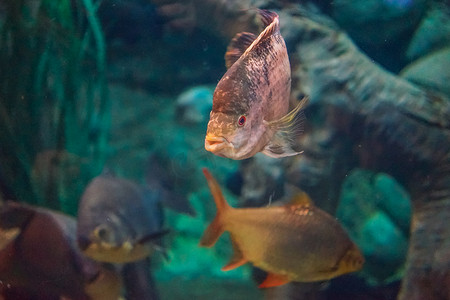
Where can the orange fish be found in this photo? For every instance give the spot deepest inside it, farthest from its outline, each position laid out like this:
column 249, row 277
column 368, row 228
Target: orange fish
column 294, row 242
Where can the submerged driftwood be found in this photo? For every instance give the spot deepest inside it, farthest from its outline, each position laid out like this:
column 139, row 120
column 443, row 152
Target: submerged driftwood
column 362, row 116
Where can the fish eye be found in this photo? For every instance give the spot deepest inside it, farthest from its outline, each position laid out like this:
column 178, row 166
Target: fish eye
column 242, row 120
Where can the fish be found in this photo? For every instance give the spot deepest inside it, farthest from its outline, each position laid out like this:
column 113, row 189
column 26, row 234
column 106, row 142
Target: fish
column 250, row 111
column 119, row 221
column 294, row 242
column 42, row 260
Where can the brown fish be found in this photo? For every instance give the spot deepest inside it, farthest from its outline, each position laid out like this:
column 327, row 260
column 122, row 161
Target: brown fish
column 41, row 257
column 251, row 101
column 295, row 242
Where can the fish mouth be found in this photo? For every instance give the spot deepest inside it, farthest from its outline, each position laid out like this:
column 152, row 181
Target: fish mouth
column 215, row 143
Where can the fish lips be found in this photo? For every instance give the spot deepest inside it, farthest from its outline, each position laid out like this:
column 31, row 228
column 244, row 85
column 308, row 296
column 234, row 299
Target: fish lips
column 216, row 144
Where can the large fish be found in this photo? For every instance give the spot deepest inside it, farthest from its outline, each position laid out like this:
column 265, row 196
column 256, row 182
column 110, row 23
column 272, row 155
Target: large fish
column 251, row 101
column 118, row 220
column 295, row 242
column 42, row 261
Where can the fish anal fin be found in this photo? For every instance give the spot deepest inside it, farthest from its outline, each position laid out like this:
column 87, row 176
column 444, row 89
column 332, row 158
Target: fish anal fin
column 236, row 260
column 273, row 280
column 300, row 198
column 234, row 263
column 237, row 47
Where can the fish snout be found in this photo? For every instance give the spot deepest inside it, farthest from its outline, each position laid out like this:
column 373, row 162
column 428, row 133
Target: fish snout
column 215, row 143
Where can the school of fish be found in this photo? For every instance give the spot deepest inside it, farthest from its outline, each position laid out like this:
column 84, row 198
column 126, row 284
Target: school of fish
column 121, row 222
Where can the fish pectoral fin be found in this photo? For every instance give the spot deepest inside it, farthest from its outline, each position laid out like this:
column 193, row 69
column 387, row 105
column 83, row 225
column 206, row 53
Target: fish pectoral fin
column 280, row 147
column 287, row 129
column 273, row 279
column 153, row 236
column 237, row 260
column 237, row 47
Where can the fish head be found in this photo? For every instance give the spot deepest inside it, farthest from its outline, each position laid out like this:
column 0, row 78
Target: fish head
column 108, row 243
column 236, row 127
column 110, row 231
column 236, row 135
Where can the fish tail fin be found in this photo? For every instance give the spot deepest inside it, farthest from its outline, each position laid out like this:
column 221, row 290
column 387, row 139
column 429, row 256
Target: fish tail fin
column 215, row 229
column 237, row 47
column 287, row 130
column 352, row 261
column 219, row 199
column 212, row 233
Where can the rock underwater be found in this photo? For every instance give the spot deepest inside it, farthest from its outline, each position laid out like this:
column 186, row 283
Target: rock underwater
column 363, row 116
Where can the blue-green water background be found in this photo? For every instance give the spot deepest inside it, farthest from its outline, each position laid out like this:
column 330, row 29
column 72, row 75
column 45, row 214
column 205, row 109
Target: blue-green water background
column 94, row 85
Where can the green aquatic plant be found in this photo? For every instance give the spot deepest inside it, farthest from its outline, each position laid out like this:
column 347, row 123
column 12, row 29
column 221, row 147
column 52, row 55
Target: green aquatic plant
column 54, row 106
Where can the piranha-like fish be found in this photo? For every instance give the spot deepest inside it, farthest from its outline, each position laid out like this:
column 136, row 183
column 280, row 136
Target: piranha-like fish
column 40, row 258
column 251, row 101
column 118, row 220
column 294, row 242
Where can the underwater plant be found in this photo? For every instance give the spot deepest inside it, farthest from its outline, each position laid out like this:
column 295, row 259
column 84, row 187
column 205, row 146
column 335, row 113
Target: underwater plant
column 53, row 100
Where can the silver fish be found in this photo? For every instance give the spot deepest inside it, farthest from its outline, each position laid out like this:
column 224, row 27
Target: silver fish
column 251, row 101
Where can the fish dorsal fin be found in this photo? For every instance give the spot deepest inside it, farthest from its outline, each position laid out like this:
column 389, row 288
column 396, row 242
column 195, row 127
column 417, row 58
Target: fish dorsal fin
column 300, row 199
column 237, row 47
column 271, row 23
column 237, row 259
column 244, row 42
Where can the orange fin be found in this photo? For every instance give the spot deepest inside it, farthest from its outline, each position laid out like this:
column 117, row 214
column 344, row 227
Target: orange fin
column 301, row 198
column 274, row 280
column 237, row 260
column 237, row 47
column 215, row 229
column 212, row 233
